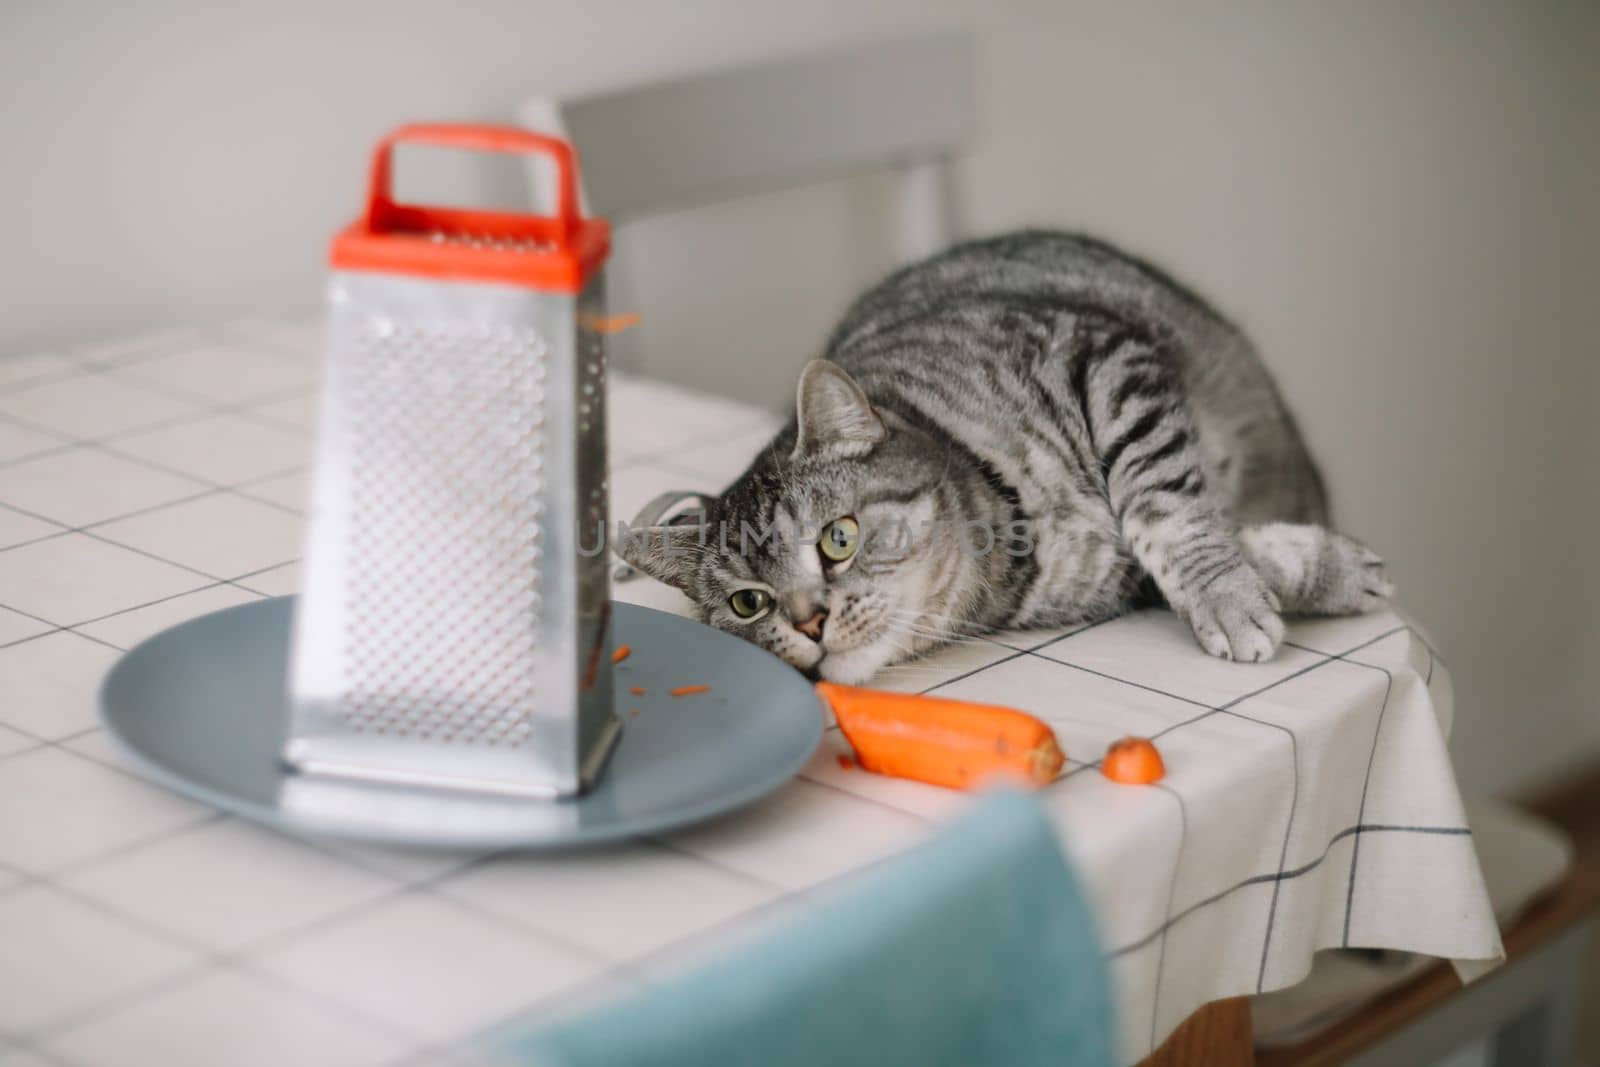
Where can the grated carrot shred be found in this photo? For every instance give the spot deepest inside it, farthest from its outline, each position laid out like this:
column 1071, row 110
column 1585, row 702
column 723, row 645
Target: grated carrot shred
column 609, row 323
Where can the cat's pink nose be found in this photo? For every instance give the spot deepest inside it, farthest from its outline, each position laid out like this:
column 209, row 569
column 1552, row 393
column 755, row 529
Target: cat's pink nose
column 812, row 627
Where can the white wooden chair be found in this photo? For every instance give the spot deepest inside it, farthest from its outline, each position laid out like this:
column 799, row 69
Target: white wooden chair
column 905, row 107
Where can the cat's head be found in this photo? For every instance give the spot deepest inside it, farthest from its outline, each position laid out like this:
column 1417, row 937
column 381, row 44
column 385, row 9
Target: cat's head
column 828, row 550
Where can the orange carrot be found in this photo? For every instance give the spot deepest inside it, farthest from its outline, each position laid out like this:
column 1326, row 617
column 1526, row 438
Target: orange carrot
column 609, row 323
column 943, row 742
column 689, row 690
column 846, row 763
column 1133, row 761
column 622, row 653
column 636, row 690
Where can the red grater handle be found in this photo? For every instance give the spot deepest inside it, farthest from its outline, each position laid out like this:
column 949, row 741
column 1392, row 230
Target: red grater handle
column 470, row 137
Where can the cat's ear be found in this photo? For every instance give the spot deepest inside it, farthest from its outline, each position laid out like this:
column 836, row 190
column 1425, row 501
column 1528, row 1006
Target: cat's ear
column 667, row 553
column 835, row 417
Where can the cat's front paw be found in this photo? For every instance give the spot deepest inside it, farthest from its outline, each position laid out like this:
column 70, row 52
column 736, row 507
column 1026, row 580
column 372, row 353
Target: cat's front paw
column 1355, row 579
column 1236, row 617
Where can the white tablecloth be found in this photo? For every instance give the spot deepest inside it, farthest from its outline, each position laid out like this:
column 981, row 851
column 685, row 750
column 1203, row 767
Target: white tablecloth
column 1309, row 802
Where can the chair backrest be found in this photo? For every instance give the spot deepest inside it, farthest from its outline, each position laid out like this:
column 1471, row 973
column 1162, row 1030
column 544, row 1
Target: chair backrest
column 906, row 105
column 901, row 109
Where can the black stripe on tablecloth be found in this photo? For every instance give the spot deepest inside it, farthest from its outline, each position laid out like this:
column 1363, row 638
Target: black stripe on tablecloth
column 1172, row 891
column 1371, row 828
column 1366, row 781
column 1361, row 813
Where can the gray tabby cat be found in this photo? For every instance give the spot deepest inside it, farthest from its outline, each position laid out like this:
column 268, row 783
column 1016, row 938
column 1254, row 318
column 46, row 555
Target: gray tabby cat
column 1119, row 440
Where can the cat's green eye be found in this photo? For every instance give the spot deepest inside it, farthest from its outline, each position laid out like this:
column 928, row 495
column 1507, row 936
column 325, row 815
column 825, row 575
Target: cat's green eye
column 748, row 603
column 839, row 539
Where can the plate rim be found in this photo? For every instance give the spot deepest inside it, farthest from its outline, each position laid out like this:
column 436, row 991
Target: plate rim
column 277, row 817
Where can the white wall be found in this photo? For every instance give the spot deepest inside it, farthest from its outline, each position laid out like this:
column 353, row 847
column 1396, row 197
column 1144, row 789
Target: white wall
column 1394, row 198
column 190, row 159
column 1399, row 202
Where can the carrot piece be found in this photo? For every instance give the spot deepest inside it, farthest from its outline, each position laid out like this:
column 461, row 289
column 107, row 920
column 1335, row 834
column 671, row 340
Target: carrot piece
column 689, row 690
column 636, row 690
column 846, row 763
column 609, row 323
column 622, row 653
column 1133, row 761
column 943, row 742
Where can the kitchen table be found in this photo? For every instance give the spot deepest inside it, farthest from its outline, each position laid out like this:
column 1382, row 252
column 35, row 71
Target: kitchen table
column 1310, row 801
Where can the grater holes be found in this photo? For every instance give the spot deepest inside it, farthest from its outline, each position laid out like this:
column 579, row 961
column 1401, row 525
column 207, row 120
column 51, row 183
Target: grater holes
column 497, row 242
column 443, row 588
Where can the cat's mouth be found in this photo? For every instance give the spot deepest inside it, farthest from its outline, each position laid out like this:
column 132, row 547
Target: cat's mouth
column 849, row 647
column 854, row 666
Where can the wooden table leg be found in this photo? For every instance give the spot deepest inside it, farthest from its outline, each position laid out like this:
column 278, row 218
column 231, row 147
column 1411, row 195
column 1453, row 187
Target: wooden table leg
column 1218, row 1035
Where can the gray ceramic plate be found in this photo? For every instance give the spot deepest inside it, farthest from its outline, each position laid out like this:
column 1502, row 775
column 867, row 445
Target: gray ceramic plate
column 203, row 706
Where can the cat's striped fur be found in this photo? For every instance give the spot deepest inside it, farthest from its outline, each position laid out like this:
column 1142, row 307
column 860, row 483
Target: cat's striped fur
column 1042, row 379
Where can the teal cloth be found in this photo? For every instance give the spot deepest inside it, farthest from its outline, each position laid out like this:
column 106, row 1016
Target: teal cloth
column 975, row 948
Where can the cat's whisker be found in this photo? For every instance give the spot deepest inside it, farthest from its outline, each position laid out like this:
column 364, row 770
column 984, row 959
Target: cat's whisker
column 913, row 621
column 934, row 631
column 925, row 614
column 938, row 635
column 894, row 636
column 912, row 666
column 940, row 640
column 910, row 649
column 945, row 641
column 916, row 655
column 935, row 615
column 948, row 635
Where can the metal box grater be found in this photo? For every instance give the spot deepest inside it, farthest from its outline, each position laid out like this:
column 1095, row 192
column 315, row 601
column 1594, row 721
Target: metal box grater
column 454, row 628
